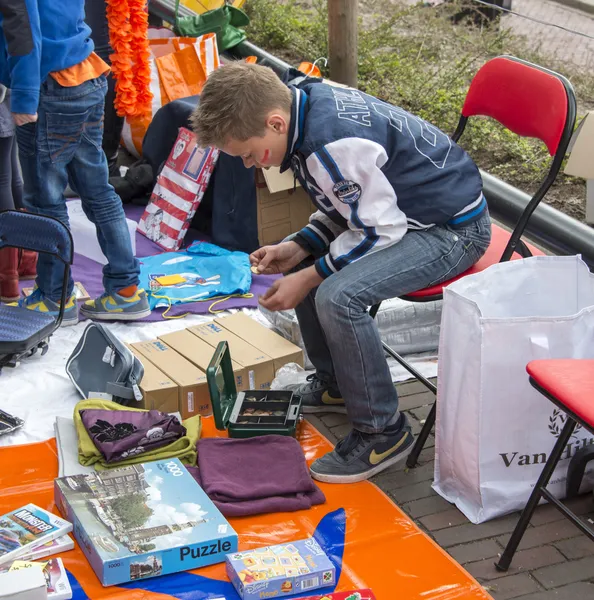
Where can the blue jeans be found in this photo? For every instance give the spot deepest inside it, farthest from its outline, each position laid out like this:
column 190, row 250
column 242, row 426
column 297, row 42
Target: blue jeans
column 65, row 146
column 342, row 340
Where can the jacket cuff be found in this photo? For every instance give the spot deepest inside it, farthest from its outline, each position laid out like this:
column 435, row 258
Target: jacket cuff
column 24, row 101
column 324, row 266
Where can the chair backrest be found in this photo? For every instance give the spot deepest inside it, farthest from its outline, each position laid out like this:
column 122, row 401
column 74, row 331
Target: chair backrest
column 527, row 99
column 37, row 233
column 530, row 101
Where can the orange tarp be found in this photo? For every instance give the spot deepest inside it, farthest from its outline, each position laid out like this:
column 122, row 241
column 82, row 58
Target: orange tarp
column 373, row 543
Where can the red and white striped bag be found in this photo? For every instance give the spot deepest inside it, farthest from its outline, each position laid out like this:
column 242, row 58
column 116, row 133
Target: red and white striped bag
column 178, row 192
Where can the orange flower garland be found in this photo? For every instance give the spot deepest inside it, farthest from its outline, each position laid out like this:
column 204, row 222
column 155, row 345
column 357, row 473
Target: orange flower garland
column 128, row 35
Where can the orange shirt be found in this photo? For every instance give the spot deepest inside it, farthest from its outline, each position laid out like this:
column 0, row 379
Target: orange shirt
column 90, row 68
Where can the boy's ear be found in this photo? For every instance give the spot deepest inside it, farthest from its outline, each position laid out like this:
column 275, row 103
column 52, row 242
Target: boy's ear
column 278, row 123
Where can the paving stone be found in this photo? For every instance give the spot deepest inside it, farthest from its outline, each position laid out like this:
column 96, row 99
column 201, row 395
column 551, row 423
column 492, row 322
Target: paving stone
column 341, row 430
column 426, row 506
column 416, row 400
column 412, row 492
column 564, row 573
column 544, row 534
column 526, row 560
column 448, row 518
column 411, row 387
column 575, row 591
column 334, row 419
column 547, row 513
column 422, row 412
column 576, row 547
column 399, row 476
column 475, row 551
column 513, row 586
column 468, row 532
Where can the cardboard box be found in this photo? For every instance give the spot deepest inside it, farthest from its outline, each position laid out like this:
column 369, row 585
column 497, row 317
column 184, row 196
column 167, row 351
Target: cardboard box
column 198, row 352
column 23, row 585
column 188, row 533
column 283, row 570
column 193, row 395
column 158, row 390
column 277, row 347
column 260, row 367
column 580, row 163
column 282, row 208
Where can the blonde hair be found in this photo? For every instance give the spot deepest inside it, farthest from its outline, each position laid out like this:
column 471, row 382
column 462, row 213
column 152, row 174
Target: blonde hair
column 235, row 102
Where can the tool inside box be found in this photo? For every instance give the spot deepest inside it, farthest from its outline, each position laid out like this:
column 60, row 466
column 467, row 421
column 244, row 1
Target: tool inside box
column 265, row 407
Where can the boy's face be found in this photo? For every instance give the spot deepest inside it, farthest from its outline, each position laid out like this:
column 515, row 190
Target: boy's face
column 267, row 150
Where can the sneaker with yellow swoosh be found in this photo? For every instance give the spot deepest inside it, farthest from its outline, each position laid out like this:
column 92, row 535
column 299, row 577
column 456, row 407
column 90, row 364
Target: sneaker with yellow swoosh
column 360, row 456
column 318, row 396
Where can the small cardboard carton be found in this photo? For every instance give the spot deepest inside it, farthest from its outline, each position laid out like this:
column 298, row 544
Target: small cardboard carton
column 277, row 347
column 159, row 392
column 284, row 207
column 580, row 163
column 193, row 397
column 260, row 367
column 284, row 570
column 198, row 352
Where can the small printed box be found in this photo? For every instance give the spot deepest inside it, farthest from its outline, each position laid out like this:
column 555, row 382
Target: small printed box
column 283, row 570
column 352, row 595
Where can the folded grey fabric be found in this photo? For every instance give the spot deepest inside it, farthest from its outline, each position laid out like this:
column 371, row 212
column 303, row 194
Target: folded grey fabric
column 67, row 444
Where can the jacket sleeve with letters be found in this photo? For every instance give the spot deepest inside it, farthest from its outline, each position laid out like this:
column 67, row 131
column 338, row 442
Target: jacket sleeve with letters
column 349, row 172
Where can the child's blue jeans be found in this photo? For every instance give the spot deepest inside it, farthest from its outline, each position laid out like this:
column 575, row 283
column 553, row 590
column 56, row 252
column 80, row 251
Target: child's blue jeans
column 342, row 340
column 65, row 146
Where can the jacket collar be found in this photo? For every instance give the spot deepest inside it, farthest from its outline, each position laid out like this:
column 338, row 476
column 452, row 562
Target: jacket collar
column 296, row 127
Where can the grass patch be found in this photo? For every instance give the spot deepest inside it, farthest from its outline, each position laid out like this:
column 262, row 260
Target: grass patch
column 417, row 58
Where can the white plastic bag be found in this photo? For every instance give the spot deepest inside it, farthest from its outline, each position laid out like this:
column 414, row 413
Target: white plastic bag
column 494, row 431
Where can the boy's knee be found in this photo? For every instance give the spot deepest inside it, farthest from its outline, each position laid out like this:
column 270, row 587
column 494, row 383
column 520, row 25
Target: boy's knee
column 331, row 300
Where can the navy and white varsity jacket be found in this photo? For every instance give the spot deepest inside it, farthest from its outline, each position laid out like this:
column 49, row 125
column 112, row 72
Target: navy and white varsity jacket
column 374, row 171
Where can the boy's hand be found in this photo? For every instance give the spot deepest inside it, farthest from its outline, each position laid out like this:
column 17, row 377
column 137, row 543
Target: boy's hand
column 281, row 258
column 23, row 119
column 290, row 291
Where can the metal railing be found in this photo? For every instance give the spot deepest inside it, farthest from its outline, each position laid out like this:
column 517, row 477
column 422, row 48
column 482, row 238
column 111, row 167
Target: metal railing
column 549, row 227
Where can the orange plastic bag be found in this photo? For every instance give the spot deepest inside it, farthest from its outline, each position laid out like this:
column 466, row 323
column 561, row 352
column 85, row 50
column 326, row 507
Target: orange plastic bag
column 179, row 68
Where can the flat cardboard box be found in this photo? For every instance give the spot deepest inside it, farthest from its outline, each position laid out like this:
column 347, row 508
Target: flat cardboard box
column 277, row 347
column 193, row 397
column 198, row 352
column 283, row 208
column 159, row 392
column 260, row 366
column 25, row 584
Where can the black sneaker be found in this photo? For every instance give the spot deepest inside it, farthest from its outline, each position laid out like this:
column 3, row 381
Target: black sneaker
column 317, row 396
column 359, row 455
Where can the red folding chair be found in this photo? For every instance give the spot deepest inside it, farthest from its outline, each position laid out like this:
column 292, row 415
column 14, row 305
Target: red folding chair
column 532, row 102
column 569, row 384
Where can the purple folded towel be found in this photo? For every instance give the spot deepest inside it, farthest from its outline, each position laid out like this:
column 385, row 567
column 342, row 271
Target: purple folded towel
column 256, row 475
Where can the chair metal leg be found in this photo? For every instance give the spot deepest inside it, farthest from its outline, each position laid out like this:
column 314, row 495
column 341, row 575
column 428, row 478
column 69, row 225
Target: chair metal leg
column 541, row 484
column 421, row 440
column 430, row 386
column 576, row 470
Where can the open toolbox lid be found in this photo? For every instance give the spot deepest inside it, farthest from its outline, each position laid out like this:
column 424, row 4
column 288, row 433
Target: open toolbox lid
column 221, row 385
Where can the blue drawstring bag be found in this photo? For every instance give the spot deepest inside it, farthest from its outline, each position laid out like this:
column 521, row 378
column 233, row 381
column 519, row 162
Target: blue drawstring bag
column 200, row 272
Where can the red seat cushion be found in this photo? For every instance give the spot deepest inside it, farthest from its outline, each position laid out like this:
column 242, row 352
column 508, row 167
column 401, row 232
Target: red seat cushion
column 570, row 381
column 499, row 239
